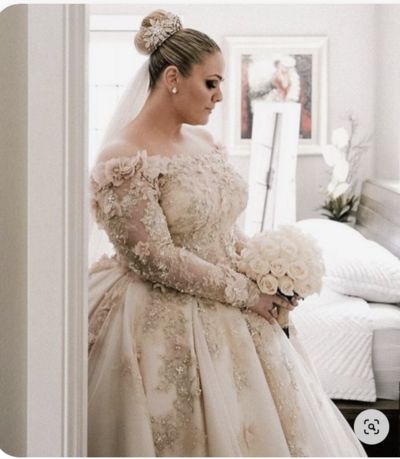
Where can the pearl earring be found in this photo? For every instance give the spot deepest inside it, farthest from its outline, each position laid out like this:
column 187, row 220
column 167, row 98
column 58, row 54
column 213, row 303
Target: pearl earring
column 174, row 90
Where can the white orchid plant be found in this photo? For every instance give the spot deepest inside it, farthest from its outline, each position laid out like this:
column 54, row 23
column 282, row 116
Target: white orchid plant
column 343, row 156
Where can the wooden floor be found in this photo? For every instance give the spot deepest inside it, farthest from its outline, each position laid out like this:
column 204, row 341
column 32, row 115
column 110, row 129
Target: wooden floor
column 390, row 447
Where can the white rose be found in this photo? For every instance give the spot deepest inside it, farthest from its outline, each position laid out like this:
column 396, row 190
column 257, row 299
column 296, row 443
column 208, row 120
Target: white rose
column 259, row 265
column 307, row 256
column 287, row 232
column 263, row 235
column 248, row 253
column 242, row 266
column 298, row 270
column 303, row 288
column 279, row 267
column 288, row 248
column 317, row 284
column 286, row 285
column 268, row 284
column 316, row 267
column 269, row 250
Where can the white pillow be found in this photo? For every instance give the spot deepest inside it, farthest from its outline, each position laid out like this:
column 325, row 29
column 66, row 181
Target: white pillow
column 355, row 265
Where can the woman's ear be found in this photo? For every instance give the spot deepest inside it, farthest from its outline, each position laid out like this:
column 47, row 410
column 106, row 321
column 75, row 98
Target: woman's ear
column 171, row 77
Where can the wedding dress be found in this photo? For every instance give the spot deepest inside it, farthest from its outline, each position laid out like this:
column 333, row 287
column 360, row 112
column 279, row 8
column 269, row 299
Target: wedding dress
column 176, row 366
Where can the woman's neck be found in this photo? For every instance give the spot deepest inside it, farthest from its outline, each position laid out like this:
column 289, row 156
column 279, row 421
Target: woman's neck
column 159, row 117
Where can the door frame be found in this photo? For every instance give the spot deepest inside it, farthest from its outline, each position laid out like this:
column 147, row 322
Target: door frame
column 57, row 229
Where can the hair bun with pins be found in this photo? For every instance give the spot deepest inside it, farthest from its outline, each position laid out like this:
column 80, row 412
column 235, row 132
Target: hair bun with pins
column 155, row 29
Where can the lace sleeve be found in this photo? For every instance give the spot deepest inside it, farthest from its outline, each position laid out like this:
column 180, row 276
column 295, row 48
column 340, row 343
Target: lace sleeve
column 127, row 206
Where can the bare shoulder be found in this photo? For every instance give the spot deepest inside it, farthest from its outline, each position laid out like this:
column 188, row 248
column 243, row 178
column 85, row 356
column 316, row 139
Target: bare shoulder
column 117, row 149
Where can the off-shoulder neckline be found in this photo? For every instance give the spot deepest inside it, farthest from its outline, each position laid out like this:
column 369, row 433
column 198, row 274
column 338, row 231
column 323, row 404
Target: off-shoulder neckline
column 216, row 147
column 123, row 167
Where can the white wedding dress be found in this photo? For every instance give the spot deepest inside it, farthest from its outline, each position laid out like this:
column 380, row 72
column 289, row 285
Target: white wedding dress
column 176, row 368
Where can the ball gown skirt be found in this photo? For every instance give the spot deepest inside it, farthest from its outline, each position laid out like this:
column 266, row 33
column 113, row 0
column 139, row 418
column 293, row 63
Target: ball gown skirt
column 177, row 366
column 173, row 375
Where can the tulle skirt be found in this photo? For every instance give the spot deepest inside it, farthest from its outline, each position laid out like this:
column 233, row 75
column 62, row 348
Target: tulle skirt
column 175, row 375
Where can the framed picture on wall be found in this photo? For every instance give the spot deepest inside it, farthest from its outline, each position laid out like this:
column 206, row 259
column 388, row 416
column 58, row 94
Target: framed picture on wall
column 276, row 69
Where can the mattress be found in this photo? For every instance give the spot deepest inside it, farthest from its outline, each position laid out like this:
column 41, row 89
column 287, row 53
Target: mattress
column 354, row 345
column 336, row 333
column 386, row 349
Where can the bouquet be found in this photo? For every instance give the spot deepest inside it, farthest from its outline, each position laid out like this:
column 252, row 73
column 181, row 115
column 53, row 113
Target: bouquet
column 285, row 261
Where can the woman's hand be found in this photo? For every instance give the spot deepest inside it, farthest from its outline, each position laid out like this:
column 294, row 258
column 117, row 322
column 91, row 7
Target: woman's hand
column 295, row 299
column 268, row 304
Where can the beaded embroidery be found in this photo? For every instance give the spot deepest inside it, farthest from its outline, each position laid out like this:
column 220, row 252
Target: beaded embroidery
column 283, row 388
column 182, row 238
column 173, row 244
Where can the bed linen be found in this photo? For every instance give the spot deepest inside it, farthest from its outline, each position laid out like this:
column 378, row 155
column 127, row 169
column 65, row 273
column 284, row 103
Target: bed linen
column 336, row 332
column 386, row 349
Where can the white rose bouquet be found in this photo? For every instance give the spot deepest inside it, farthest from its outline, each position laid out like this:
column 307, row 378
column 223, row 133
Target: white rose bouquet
column 284, row 261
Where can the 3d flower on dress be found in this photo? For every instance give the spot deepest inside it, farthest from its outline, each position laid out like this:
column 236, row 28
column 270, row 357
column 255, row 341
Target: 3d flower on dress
column 116, row 171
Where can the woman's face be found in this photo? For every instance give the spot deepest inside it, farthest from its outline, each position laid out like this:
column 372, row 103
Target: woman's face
column 198, row 93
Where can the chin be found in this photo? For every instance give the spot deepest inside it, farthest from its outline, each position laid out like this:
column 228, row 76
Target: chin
column 198, row 118
column 206, row 119
column 200, row 122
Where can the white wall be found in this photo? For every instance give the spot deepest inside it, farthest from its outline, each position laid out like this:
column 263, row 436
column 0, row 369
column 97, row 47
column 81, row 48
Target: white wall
column 43, row 290
column 13, row 230
column 351, row 64
column 387, row 88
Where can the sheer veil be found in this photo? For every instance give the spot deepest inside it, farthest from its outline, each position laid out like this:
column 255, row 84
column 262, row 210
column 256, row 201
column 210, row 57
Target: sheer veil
column 128, row 107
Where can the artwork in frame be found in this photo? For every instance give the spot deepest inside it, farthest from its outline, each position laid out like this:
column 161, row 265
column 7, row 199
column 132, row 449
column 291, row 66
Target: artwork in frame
column 276, row 69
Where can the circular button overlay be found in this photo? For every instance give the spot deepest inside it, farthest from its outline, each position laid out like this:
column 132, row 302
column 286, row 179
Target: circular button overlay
column 371, row 427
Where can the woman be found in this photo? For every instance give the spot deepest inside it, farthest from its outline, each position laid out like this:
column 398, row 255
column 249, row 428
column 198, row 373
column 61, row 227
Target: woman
column 185, row 355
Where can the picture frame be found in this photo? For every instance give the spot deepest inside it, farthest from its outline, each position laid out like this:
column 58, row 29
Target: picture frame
column 276, row 69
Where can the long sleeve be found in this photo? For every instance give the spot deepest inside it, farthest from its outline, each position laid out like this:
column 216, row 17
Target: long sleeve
column 130, row 213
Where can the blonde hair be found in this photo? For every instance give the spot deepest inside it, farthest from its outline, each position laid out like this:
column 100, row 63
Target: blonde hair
column 182, row 48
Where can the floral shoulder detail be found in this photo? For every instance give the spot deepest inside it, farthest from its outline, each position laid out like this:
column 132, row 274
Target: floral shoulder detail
column 116, row 171
column 107, row 180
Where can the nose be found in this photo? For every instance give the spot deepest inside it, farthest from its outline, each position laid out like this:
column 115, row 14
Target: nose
column 217, row 96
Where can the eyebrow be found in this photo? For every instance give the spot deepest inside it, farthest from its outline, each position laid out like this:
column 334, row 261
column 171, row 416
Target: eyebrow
column 216, row 75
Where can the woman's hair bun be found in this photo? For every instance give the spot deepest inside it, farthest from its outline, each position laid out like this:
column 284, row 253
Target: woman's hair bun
column 156, row 27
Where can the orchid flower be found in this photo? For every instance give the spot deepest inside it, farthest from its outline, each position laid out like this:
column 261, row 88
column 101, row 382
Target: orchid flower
column 340, row 138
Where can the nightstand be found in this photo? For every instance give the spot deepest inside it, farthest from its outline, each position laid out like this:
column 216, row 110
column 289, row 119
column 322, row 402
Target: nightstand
column 390, row 447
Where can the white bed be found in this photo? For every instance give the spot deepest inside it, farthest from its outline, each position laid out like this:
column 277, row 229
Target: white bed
column 351, row 331
column 386, row 349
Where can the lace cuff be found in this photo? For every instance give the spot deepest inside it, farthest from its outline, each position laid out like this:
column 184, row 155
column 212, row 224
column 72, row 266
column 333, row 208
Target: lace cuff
column 240, row 291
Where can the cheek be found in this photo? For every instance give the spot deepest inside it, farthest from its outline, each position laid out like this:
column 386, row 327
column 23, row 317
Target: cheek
column 193, row 105
column 200, row 95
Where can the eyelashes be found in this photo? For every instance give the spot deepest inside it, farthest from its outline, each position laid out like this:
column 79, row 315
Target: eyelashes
column 211, row 84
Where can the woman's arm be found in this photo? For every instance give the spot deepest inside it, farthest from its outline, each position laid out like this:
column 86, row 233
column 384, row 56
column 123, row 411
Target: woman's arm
column 131, row 215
